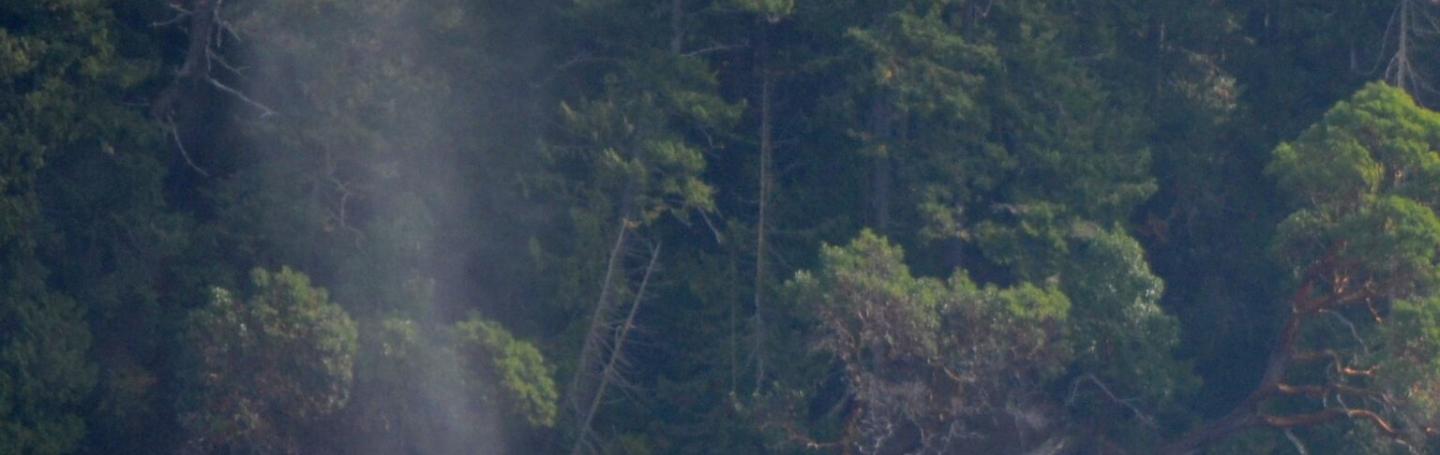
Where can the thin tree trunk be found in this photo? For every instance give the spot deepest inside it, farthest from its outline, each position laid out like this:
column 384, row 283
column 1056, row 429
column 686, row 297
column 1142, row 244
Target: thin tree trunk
column 677, row 26
column 1402, row 49
column 197, row 59
column 609, row 374
column 766, row 146
column 881, row 116
column 594, row 338
column 735, row 301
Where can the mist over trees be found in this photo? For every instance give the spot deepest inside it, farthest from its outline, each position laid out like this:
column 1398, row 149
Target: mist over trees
column 719, row 226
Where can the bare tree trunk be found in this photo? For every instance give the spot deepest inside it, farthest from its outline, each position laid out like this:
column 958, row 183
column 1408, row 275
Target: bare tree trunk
column 197, row 59
column 735, row 301
column 610, row 374
column 1410, row 20
column 677, row 26
column 599, row 322
column 881, row 116
column 761, row 226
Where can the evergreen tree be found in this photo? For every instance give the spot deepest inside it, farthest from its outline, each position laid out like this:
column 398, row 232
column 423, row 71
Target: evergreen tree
column 63, row 81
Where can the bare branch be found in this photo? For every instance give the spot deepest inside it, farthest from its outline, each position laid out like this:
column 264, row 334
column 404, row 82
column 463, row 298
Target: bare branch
column 595, row 339
column 265, row 111
column 609, row 375
column 180, row 145
column 217, row 59
column 716, row 48
column 719, row 239
column 179, row 16
column 1299, row 447
column 1075, row 389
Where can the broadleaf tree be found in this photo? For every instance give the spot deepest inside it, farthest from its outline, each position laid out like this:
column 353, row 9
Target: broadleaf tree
column 1361, row 247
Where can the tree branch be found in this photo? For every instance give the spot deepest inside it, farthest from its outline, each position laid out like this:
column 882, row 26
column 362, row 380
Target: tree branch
column 1329, row 415
column 180, row 145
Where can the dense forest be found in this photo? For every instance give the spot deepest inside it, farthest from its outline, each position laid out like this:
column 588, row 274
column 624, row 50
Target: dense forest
column 719, row 226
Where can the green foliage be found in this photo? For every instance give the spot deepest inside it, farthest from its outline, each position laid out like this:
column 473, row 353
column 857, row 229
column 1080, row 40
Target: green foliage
column 409, row 394
column 1120, row 334
column 44, row 374
column 1379, row 141
column 1118, row 327
column 404, row 153
column 626, row 140
column 1364, row 239
column 64, row 81
column 1363, row 180
column 994, row 128
column 1411, row 358
column 514, row 368
column 940, row 357
column 259, row 371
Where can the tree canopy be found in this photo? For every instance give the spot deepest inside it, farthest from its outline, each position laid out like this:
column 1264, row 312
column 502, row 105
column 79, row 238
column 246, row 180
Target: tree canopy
column 719, row 226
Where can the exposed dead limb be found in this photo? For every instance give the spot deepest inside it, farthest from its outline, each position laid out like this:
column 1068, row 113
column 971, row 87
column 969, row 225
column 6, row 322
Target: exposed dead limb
column 576, row 61
column 201, row 15
column 205, row 30
column 1354, row 333
column 715, row 48
column 222, row 26
column 610, row 375
column 1146, row 419
column 265, row 111
column 215, row 58
column 341, row 211
column 677, row 26
column 1299, row 446
column 1408, row 21
column 766, row 184
column 180, row 15
column 174, row 133
column 595, row 337
column 719, row 238
column 795, row 436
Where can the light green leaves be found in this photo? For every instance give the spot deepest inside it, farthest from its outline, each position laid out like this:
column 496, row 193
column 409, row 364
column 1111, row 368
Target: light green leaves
column 257, row 371
column 924, row 353
column 629, row 138
column 1379, row 141
column 1119, row 332
column 514, row 368
column 1363, row 178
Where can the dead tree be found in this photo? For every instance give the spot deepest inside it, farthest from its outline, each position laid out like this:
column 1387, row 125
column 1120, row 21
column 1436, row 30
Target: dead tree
column 765, row 190
column 1409, row 22
column 206, row 31
column 602, row 358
